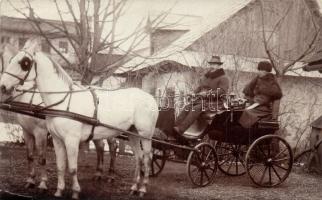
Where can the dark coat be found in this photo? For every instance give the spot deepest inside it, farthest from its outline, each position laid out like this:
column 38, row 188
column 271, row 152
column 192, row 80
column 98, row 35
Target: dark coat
column 263, row 89
column 208, row 83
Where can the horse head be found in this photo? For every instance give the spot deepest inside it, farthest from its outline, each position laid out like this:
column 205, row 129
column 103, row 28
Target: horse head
column 21, row 68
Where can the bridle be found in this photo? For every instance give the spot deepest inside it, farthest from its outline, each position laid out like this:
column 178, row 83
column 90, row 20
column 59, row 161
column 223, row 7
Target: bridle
column 26, row 64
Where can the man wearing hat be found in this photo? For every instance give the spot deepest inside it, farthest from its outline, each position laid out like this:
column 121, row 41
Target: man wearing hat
column 216, row 80
column 261, row 91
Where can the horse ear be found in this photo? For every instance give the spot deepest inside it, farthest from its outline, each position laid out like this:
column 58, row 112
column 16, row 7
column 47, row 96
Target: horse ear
column 10, row 49
column 32, row 45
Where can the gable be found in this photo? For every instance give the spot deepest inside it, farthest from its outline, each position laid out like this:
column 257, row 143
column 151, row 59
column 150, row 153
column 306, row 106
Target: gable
column 288, row 24
column 222, row 12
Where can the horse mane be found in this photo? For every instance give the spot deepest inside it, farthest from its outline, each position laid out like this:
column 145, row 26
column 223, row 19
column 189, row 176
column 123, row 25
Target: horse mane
column 61, row 72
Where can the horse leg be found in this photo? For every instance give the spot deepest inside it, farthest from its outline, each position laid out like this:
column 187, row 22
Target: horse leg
column 147, row 157
column 30, row 143
column 99, row 145
column 112, row 147
column 135, row 144
column 60, row 152
column 72, row 144
column 41, row 146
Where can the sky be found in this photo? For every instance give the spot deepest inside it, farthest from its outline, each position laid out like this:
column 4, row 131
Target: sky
column 134, row 12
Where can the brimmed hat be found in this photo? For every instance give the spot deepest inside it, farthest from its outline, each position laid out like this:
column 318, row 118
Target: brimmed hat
column 215, row 60
column 264, row 66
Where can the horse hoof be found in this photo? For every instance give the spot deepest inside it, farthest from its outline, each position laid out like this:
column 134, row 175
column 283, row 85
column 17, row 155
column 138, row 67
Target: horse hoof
column 30, row 185
column 58, row 193
column 42, row 190
column 141, row 194
column 75, row 195
column 133, row 193
column 42, row 186
column 110, row 179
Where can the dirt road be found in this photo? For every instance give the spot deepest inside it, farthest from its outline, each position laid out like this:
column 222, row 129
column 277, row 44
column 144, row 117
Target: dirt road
column 172, row 183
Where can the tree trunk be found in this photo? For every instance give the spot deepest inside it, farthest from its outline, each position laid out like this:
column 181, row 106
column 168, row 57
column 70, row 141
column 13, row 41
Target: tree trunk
column 277, row 103
column 87, row 78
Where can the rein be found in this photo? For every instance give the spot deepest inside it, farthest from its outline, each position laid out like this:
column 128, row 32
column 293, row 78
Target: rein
column 2, row 63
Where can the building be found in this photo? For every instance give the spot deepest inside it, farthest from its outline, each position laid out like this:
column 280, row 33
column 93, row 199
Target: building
column 18, row 30
column 236, row 33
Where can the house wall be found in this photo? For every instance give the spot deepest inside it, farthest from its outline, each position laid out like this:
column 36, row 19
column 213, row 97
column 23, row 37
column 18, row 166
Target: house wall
column 15, row 37
column 288, row 24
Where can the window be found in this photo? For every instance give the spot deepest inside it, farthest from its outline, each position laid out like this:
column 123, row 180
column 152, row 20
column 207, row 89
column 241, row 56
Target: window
column 45, row 46
column 63, row 46
column 5, row 39
column 22, row 42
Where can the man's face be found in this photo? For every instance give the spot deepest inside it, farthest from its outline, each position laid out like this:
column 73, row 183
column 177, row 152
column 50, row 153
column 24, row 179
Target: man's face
column 262, row 73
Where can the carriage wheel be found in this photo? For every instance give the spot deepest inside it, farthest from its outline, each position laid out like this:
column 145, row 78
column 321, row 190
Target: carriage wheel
column 305, row 158
column 231, row 158
column 158, row 161
column 202, row 165
column 269, row 161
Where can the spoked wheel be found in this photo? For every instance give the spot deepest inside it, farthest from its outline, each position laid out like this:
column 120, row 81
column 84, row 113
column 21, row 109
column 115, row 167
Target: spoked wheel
column 231, row 158
column 308, row 157
column 202, row 165
column 159, row 158
column 269, row 161
column 158, row 161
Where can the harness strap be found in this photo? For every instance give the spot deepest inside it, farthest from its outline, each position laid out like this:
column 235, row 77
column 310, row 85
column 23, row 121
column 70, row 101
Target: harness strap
column 70, row 97
column 2, row 63
column 55, row 104
column 96, row 102
column 32, row 96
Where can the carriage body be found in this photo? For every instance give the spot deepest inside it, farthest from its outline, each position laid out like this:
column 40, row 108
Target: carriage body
column 225, row 128
column 257, row 151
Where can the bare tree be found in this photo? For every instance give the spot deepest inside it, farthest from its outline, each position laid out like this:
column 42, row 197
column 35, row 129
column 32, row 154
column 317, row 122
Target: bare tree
column 283, row 65
column 89, row 34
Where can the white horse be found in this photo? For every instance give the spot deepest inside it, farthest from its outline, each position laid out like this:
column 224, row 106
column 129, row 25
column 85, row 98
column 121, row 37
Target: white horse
column 122, row 108
column 35, row 132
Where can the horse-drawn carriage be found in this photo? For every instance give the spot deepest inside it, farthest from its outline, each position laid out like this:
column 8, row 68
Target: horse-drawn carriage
column 266, row 157
column 74, row 114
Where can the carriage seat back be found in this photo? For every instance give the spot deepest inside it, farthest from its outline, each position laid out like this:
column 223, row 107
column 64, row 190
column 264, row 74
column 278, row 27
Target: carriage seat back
column 210, row 115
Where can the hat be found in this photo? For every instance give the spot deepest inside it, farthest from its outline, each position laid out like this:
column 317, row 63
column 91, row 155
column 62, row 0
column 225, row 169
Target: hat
column 215, row 60
column 264, row 66
column 215, row 74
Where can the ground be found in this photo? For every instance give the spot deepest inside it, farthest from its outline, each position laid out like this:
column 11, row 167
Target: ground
column 172, row 183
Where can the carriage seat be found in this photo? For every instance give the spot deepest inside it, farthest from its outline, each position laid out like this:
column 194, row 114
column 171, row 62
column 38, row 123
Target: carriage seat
column 268, row 124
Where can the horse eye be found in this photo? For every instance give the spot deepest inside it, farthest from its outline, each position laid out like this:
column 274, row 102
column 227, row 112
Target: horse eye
column 25, row 63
